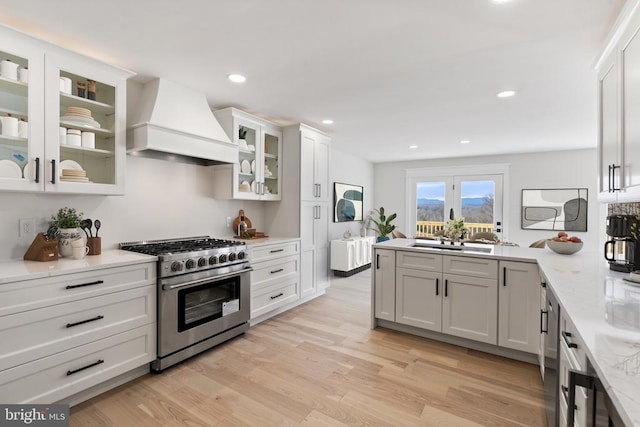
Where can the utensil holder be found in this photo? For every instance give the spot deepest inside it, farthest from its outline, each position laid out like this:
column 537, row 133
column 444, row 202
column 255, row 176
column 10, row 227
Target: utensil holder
column 42, row 249
column 95, row 245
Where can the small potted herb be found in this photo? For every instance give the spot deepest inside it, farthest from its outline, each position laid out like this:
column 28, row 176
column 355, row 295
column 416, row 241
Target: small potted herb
column 68, row 222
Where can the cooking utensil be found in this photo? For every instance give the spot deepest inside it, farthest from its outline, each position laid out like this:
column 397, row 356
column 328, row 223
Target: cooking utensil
column 51, row 232
column 97, row 224
column 83, row 225
column 89, row 225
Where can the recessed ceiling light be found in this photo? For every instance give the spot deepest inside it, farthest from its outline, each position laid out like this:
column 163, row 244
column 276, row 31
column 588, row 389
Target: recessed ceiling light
column 413, row 147
column 505, row 94
column 327, row 121
column 465, row 141
column 237, row 78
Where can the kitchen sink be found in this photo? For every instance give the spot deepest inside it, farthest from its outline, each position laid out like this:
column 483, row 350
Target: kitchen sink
column 454, row 248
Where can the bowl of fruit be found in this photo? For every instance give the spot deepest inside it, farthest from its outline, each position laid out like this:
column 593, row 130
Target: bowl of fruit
column 563, row 244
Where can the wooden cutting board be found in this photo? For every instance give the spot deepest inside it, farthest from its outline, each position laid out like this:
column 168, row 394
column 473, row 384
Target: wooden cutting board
column 236, row 222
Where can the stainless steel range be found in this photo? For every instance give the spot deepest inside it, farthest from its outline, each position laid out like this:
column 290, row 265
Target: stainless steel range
column 203, row 294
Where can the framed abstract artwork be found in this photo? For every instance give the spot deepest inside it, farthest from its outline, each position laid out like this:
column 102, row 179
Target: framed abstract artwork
column 347, row 202
column 555, row 209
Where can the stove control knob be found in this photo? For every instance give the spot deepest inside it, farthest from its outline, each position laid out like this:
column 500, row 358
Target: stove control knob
column 191, row 263
column 223, row 258
column 202, row 262
column 241, row 255
column 232, row 256
column 176, row 266
column 213, row 260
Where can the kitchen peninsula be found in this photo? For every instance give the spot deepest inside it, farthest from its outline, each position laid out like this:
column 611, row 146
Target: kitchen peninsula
column 602, row 308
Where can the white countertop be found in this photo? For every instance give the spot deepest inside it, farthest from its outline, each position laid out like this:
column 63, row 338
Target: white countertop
column 18, row 270
column 604, row 308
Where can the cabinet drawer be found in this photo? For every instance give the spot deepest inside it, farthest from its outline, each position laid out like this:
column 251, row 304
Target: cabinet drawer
column 573, row 342
column 419, row 261
column 467, row 266
column 268, row 273
column 32, row 294
column 63, row 374
column 39, row 333
column 267, row 252
column 274, row 297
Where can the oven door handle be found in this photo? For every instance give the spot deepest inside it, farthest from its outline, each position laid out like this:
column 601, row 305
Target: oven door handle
column 207, row 280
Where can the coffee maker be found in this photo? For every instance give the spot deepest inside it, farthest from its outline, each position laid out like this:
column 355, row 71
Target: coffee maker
column 622, row 248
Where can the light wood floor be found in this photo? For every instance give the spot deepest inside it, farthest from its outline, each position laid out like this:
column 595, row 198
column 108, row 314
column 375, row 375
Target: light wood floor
column 321, row 365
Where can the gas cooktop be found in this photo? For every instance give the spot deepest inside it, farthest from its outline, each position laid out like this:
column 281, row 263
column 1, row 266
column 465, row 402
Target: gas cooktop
column 191, row 254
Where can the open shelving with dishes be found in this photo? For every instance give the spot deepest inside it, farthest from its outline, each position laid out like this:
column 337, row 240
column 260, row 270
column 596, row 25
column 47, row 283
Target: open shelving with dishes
column 257, row 175
column 48, row 99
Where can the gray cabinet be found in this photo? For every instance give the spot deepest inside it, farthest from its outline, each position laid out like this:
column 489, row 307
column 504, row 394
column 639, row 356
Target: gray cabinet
column 385, row 284
column 518, row 306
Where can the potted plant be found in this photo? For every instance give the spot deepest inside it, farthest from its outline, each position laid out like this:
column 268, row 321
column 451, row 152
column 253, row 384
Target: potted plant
column 455, row 229
column 68, row 222
column 383, row 224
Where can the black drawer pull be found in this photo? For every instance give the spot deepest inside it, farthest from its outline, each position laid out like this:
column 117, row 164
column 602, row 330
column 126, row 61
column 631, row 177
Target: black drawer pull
column 82, row 322
column 437, row 286
column 75, row 371
column 277, row 250
column 97, row 282
column 277, row 296
column 446, row 288
column 53, row 171
column 566, row 336
column 37, row 170
column 544, row 329
column 277, row 271
column 504, row 276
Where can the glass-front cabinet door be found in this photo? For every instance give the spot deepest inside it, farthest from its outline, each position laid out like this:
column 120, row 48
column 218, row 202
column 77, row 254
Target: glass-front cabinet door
column 257, row 175
column 84, row 126
column 21, row 115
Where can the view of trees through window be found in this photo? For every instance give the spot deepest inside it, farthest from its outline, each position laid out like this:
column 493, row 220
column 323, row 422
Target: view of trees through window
column 477, row 202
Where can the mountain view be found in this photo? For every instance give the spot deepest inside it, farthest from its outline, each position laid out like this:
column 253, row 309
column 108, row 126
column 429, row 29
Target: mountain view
column 474, row 210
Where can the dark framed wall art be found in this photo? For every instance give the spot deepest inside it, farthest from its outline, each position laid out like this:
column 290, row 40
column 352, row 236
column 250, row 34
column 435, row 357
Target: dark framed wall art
column 347, row 202
column 555, row 209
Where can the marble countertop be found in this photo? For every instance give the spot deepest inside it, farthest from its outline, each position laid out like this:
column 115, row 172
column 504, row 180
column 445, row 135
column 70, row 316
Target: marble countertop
column 18, row 270
column 266, row 240
column 604, row 308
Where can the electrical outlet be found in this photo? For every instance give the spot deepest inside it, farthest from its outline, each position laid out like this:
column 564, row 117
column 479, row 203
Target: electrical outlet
column 27, row 227
column 228, row 221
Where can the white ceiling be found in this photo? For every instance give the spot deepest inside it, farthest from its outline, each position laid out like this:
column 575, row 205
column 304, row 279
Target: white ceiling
column 390, row 73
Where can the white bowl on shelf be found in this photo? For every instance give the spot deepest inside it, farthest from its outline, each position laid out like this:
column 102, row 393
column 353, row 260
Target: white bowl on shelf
column 564, row 248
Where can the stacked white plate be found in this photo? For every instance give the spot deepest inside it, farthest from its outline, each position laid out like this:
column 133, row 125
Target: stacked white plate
column 80, row 116
column 72, row 172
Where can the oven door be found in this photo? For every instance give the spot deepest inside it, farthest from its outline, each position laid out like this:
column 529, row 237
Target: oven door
column 198, row 306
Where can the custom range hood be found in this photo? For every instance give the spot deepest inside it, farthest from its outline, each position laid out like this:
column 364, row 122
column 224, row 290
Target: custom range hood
column 173, row 122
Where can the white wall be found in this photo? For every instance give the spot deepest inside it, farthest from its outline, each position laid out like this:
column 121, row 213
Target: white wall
column 557, row 169
column 350, row 169
column 163, row 200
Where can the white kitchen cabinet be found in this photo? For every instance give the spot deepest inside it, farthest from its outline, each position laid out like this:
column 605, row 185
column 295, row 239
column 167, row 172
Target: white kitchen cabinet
column 572, row 356
column 67, row 333
column 544, row 324
column 518, row 306
column 300, row 216
column 314, row 242
column 258, row 173
column 351, row 256
column 314, row 165
column 275, row 279
column 40, row 102
column 619, row 105
column 384, row 278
